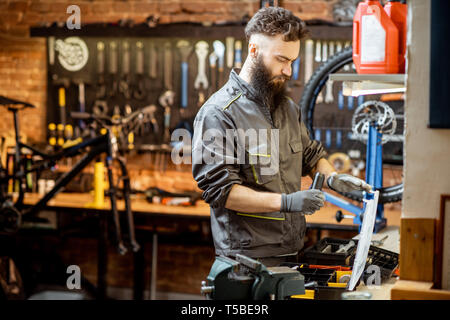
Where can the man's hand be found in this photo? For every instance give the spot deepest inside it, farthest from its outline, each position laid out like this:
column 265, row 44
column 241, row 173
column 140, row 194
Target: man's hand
column 306, row 202
column 347, row 183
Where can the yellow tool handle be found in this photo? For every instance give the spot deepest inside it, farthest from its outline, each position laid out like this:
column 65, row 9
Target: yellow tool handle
column 62, row 97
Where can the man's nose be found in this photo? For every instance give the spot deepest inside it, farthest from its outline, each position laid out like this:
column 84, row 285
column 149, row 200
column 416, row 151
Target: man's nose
column 287, row 71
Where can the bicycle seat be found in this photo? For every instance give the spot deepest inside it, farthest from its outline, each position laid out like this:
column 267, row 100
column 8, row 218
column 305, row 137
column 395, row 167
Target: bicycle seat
column 14, row 104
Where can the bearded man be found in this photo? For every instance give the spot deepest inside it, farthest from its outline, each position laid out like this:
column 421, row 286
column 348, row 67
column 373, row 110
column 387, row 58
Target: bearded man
column 253, row 188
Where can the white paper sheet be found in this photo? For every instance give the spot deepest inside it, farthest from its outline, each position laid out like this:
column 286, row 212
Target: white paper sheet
column 365, row 237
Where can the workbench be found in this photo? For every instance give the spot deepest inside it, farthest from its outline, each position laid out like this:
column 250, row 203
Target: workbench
column 77, row 202
column 152, row 213
column 391, row 243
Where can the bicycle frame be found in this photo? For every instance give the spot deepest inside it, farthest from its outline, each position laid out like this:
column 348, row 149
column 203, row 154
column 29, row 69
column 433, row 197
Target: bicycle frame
column 98, row 145
column 374, row 177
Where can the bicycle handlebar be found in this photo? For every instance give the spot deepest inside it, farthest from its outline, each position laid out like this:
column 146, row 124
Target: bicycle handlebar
column 111, row 120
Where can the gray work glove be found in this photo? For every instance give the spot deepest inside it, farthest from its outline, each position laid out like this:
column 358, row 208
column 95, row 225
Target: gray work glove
column 347, row 183
column 306, row 202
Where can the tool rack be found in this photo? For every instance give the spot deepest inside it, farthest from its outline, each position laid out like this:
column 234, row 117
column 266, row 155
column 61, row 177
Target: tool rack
column 158, row 35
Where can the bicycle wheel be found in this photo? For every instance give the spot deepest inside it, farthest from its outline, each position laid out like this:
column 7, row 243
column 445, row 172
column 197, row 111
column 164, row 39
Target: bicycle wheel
column 322, row 116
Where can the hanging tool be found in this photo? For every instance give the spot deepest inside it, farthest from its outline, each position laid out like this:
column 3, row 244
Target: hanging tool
column 201, row 81
column 166, row 99
column 139, row 91
column 229, row 42
column 323, row 58
column 51, row 50
column 101, row 86
column 201, row 50
column 296, row 70
column 153, row 67
column 113, row 67
column 309, row 62
column 339, row 134
column 81, row 102
column 219, row 49
column 237, row 54
column 52, row 134
column 124, row 84
column 329, row 97
column 347, row 66
column 213, row 72
column 185, row 50
column 361, row 100
column 341, row 100
column 328, row 131
column 62, row 85
column 350, row 100
column 130, row 138
column 317, row 134
column 324, row 51
column 318, row 57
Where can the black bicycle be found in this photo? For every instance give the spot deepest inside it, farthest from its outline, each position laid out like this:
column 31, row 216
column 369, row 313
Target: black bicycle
column 13, row 212
column 335, row 124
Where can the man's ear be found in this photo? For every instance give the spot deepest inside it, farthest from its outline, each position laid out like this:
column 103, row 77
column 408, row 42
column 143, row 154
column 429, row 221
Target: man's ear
column 252, row 50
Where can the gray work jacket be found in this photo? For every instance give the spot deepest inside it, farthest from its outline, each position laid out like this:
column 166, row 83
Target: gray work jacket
column 273, row 164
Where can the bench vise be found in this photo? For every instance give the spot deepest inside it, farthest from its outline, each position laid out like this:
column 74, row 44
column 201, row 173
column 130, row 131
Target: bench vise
column 244, row 278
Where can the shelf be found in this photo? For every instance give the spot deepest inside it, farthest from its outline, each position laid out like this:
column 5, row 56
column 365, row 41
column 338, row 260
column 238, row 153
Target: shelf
column 179, row 30
column 354, row 84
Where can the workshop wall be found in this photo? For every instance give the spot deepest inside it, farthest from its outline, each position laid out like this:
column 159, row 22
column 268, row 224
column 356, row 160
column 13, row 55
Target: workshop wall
column 23, row 70
column 426, row 168
column 22, row 59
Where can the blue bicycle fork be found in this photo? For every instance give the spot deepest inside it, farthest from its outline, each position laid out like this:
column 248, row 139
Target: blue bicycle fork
column 374, row 177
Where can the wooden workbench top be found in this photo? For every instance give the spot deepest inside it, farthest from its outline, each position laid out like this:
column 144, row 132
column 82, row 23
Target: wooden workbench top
column 80, row 200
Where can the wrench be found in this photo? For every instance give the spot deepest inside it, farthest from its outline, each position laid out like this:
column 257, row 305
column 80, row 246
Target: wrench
column 318, row 57
column 201, row 49
column 101, row 87
column 124, row 84
column 229, row 44
column 166, row 100
column 309, row 47
column 213, row 71
column 185, row 50
column 322, row 58
column 153, row 69
column 139, row 91
column 238, row 54
column 113, row 63
column 329, row 98
column 219, row 49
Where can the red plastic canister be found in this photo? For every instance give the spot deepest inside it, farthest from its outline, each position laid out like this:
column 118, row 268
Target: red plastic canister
column 375, row 40
column 398, row 12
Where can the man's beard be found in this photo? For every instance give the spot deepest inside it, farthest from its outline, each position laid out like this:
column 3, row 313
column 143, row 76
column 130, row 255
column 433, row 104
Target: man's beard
column 272, row 90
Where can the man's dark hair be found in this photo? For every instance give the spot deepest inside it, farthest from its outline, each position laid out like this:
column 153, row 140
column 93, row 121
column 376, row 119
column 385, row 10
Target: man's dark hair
column 272, row 21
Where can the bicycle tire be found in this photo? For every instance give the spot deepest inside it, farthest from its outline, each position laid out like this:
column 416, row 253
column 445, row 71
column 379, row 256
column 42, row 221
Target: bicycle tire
column 307, row 104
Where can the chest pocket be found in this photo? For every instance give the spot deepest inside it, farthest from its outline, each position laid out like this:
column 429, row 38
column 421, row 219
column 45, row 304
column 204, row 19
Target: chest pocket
column 261, row 166
column 293, row 165
column 296, row 146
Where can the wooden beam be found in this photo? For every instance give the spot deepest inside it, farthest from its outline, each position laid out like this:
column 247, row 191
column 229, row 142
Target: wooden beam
column 417, row 249
column 417, row 290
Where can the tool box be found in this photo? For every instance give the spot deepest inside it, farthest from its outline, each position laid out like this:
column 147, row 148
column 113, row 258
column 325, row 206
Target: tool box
column 325, row 252
column 322, row 283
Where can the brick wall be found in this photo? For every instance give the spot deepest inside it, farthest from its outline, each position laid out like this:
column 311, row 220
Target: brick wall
column 23, row 76
column 23, row 59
